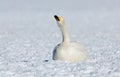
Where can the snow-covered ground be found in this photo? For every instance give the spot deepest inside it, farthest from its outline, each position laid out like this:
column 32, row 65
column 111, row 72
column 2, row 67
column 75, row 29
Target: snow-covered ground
column 28, row 34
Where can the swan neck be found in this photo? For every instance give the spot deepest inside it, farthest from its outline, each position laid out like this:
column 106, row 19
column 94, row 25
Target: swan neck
column 65, row 35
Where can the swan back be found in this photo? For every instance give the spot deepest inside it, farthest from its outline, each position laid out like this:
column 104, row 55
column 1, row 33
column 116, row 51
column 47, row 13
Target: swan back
column 73, row 52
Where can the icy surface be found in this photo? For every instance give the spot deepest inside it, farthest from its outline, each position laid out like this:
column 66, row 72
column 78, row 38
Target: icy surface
column 28, row 34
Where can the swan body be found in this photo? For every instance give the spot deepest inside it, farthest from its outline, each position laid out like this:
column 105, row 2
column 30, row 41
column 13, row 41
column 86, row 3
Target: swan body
column 68, row 51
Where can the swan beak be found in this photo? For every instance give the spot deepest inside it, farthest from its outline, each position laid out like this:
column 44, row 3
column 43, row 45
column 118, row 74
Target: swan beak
column 57, row 18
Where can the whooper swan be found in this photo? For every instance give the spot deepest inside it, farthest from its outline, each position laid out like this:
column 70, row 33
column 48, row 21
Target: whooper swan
column 67, row 50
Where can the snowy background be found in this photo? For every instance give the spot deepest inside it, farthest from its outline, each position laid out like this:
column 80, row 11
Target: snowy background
column 28, row 34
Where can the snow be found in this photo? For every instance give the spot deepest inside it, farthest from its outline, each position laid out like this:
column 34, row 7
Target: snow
column 28, row 35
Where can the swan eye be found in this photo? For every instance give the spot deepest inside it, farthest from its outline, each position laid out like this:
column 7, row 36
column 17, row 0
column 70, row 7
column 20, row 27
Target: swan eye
column 57, row 18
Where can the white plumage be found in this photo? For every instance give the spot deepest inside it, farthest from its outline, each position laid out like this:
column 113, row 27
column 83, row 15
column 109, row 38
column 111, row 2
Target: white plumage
column 68, row 51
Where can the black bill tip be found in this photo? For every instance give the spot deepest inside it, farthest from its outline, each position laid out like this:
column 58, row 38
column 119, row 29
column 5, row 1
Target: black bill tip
column 56, row 17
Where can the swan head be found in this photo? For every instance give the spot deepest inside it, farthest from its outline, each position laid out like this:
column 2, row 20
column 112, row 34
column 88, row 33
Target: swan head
column 60, row 21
